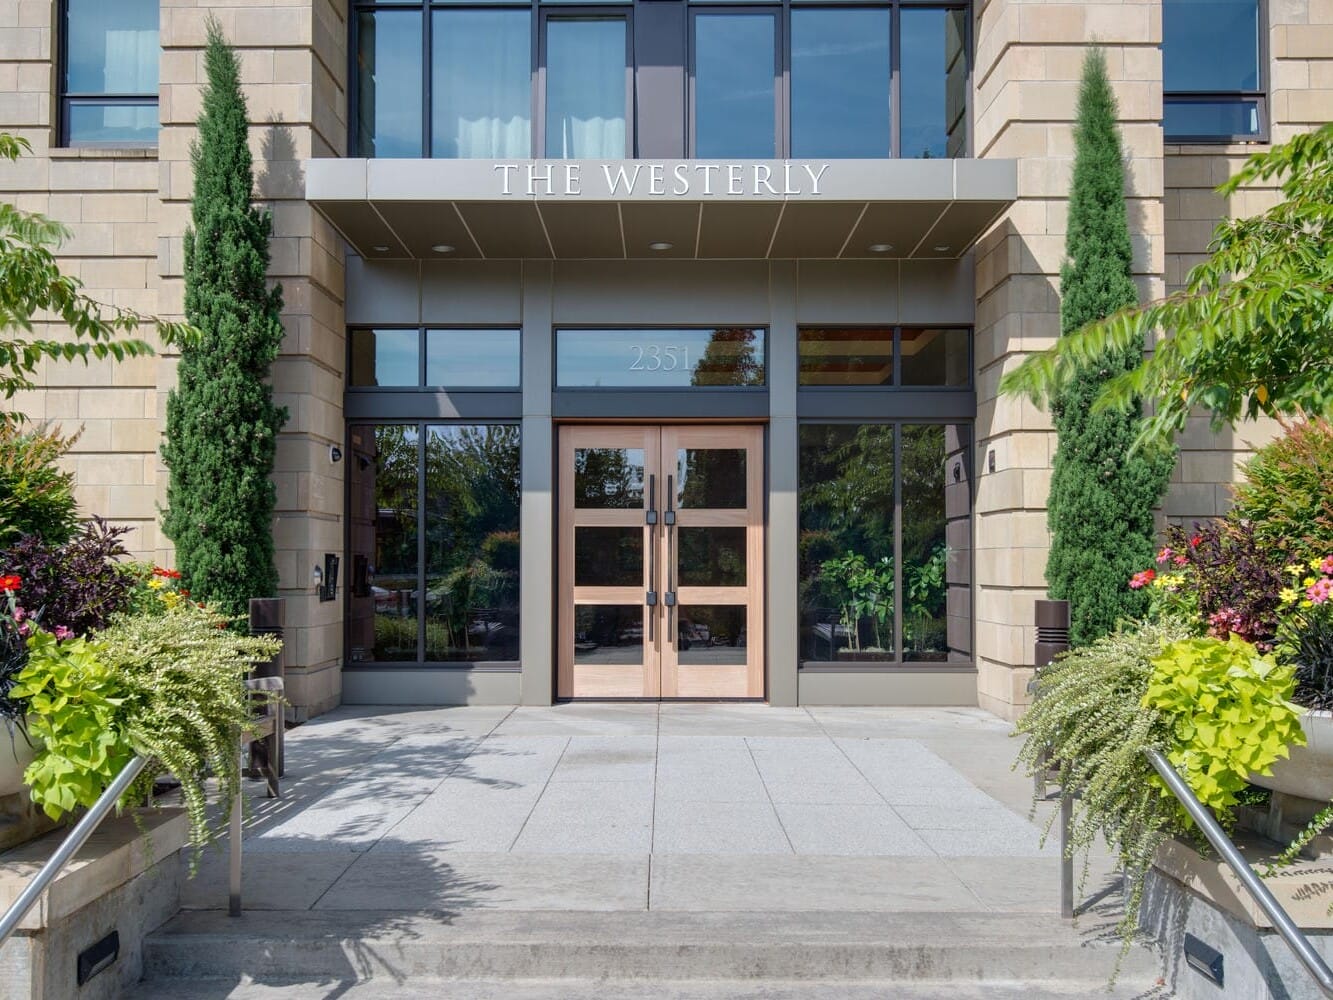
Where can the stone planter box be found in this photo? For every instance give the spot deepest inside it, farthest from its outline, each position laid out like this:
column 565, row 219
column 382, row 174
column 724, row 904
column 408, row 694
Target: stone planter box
column 15, row 756
column 1308, row 772
column 125, row 879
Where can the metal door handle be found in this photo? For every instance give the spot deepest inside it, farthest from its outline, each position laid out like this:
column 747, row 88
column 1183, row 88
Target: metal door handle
column 650, row 518
column 669, row 520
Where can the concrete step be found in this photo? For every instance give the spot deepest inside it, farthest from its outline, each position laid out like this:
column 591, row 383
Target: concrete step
column 611, row 989
column 843, row 948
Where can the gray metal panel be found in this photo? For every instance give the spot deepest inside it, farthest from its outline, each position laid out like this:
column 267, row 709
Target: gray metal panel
column 936, row 293
column 959, row 227
column 738, row 231
column 886, row 404
column 809, row 230
column 365, row 229
column 507, row 229
column 659, row 50
column 781, row 570
column 487, row 293
column 423, row 225
column 382, row 293
column 413, row 404
column 668, row 404
column 833, row 292
column 582, row 230
column 901, row 225
column 893, row 686
column 660, row 293
column 429, row 686
column 651, row 222
column 537, row 505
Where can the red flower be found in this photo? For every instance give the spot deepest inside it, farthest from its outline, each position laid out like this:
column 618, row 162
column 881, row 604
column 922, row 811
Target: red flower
column 1140, row 580
column 170, row 574
column 1195, row 540
column 10, row 581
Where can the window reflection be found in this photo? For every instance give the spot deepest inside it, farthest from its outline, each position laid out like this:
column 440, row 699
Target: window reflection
column 111, row 49
column 467, row 589
column 734, row 85
column 658, row 359
column 933, row 83
column 585, row 88
column 389, row 88
column 840, row 82
column 481, row 67
column 385, row 358
column 1210, row 45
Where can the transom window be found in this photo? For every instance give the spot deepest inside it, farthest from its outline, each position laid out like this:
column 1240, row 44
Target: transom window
column 1212, row 64
column 108, row 73
column 563, row 81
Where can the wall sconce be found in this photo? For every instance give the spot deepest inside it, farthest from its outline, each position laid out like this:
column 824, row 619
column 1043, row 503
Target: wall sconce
column 957, row 471
column 327, row 578
column 335, row 454
column 317, row 577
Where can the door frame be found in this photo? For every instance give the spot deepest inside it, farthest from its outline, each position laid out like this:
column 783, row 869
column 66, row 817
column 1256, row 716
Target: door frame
column 662, row 676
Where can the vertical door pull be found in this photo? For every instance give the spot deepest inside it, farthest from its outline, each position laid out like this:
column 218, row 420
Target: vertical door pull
column 669, row 519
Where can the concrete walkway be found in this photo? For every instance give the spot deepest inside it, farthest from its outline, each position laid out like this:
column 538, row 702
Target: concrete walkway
column 636, row 807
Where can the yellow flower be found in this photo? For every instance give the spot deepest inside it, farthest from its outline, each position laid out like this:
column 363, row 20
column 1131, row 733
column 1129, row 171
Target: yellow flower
column 1315, row 564
column 1288, row 595
column 155, row 584
column 1308, row 582
column 1294, row 569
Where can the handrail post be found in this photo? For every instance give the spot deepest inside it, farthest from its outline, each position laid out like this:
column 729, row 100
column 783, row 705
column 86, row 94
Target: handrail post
column 234, row 845
column 71, row 844
column 1066, row 857
column 1286, row 927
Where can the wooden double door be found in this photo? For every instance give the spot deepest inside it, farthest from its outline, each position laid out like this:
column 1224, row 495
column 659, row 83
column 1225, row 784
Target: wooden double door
column 661, row 562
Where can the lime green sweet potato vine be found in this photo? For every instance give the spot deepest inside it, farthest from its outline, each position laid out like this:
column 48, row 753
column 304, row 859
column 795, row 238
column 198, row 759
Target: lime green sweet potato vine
column 1230, row 714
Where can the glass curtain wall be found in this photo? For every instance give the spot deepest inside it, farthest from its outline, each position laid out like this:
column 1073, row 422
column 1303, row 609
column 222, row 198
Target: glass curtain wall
column 735, row 85
column 433, row 536
column 585, row 88
column 481, row 83
column 109, row 84
column 840, row 78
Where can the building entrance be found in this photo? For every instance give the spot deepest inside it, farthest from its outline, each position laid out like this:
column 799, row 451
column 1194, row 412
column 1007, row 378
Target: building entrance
column 661, row 562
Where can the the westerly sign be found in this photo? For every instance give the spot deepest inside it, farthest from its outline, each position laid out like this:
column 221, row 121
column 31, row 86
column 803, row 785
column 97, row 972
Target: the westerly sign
column 666, row 180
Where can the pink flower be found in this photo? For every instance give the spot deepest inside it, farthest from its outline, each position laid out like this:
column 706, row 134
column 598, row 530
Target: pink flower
column 25, row 630
column 63, row 632
column 1165, row 554
column 1181, row 560
column 19, row 614
column 1327, row 566
column 1141, row 580
column 1320, row 591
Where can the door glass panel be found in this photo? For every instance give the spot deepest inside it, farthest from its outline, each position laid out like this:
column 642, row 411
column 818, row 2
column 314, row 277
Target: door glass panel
column 609, row 634
column 608, row 557
column 384, row 528
column 734, row 90
column 712, row 635
column 711, row 478
column 840, row 82
column 711, row 557
column 608, row 478
column 585, row 88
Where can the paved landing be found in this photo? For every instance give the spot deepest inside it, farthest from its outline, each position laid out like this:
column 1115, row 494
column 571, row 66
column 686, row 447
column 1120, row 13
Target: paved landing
column 675, row 807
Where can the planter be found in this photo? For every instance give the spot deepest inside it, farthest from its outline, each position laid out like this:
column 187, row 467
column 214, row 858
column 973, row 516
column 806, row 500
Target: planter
column 1308, row 772
column 15, row 756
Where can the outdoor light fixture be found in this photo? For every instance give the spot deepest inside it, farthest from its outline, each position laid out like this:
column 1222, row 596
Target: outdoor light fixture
column 1204, row 960
column 317, row 577
column 660, row 245
column 943, row 249
column 957, row 472
column 880, row 247
column 443, row 248
column 335, row 454
column 380, row 248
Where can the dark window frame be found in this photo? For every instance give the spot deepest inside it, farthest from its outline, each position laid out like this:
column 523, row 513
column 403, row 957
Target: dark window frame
column 420, row 663
column 692, row 391
column 67, row 100
column 541, row 12
column 1237, row 97
column 897, row 663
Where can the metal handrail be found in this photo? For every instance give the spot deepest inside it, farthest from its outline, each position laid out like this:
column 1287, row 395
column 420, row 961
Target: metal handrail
column 1296, row 940
column 78, row 836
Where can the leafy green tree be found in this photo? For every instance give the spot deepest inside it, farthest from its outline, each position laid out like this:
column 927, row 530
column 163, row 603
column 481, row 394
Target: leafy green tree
column 1102, row 497
column 31, row 284
column 1251, row 332
column 222, row 425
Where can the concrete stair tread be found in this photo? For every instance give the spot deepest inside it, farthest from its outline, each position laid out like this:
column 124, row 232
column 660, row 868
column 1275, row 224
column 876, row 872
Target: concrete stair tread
column 479, row 945
column 602, row 989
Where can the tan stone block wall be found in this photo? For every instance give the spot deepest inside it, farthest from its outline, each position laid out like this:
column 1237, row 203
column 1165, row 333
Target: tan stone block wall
column 1029, row 57
column 108, row 200
column 293, row 58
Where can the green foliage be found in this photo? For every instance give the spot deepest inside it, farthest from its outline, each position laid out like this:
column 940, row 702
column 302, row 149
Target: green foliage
column 865, row 591
column 1252, row 330
column 32, row 284
column 36, row 495
column 1229, row 713
column 1286, row 494
column 185, row 701
column 1102, row 497
column 925, row 587
column 222, row 425
column 1088, row 716
column 74, row 700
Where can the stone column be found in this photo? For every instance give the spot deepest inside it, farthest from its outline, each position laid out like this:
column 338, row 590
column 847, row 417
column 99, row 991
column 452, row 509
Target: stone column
column 1028, row 60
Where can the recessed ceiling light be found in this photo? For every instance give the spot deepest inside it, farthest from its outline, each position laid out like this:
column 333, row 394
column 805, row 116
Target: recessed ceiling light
column 443, row 248
column 880, row 247
column 380, row 249
column 943, row 249
column 660, row 245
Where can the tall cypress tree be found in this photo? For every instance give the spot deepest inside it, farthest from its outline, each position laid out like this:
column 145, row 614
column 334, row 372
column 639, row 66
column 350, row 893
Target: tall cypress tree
column 1100, row 509
column 222, row 425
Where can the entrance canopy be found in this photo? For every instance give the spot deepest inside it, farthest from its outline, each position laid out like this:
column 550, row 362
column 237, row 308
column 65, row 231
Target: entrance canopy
column 699, row 209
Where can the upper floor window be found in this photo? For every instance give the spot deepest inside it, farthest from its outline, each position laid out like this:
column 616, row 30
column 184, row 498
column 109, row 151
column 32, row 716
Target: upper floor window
column 108, row 73
column 1212, row 65
column 758, row 81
